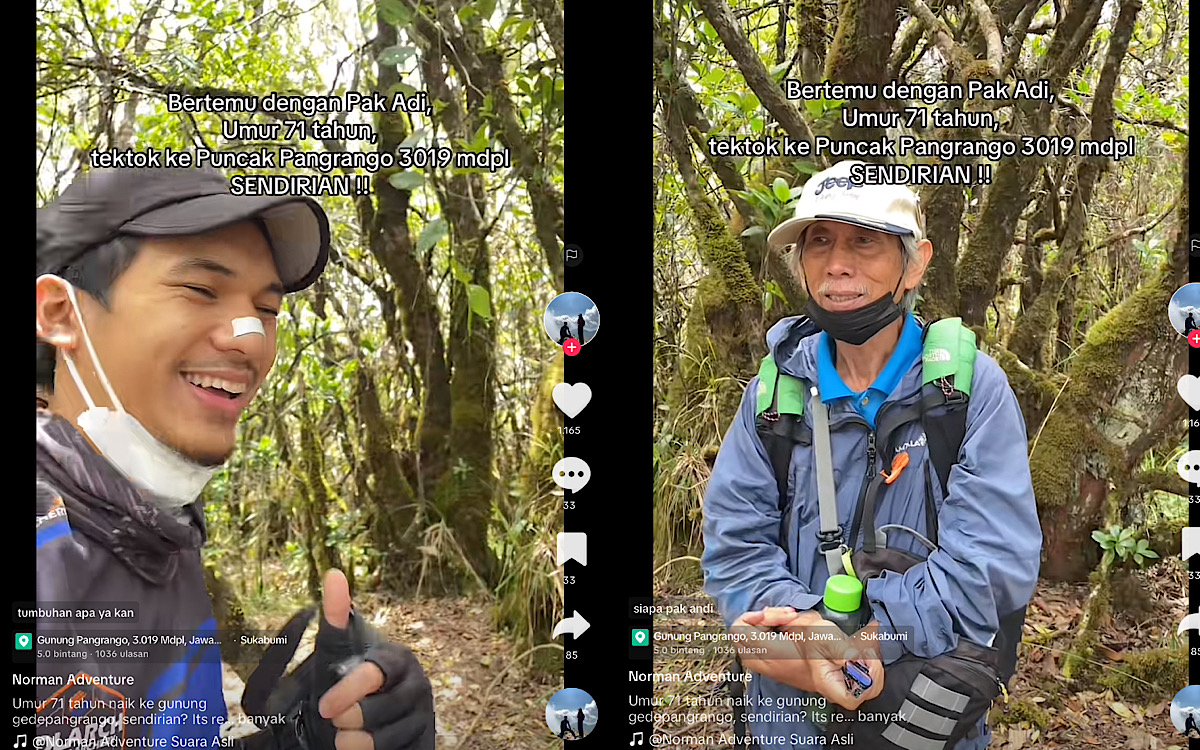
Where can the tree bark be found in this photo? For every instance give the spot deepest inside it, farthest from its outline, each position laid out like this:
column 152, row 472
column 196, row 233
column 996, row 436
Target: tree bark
column 859, row 54
column 1093, row 438
column 387, row 236
column 546, row 201
column 755, row 73
column 1029, row 338
column 722, row 333
column 465, row 489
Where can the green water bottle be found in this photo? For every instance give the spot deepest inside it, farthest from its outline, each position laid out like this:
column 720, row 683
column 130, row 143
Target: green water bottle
column 842, row 604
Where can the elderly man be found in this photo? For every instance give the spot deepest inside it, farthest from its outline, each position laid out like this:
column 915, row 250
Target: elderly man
column 874, row 446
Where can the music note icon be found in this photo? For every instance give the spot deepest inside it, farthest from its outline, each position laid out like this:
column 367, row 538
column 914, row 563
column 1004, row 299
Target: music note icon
column 21, row 740
column 636, row 736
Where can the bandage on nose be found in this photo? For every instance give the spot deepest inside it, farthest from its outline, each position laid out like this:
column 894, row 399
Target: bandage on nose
column 247, row 326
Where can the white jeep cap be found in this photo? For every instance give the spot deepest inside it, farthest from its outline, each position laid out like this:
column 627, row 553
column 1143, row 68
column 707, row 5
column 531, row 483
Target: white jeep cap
column 832, row 195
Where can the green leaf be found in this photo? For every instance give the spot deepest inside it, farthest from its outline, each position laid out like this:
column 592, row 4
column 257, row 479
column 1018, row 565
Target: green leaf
column 727, row 107
column 459, row 272
column 394, row 12
column 1149, row 553
column 521, row 30
column 433, row 231
column 397, row 55
column 1099, row 536
column 477, row 298
column 777, row 71
column 1106, row 545
column 668, row 69
column 486, row 8
column 467, row 12
column 1138, row 559
column 814, row 108
column 480, row 141
column 414, row 139
column 753, row 231
column 781, row 189
column 807, row 168
column 402, row 88
column 407, row 180
column 1126, row 533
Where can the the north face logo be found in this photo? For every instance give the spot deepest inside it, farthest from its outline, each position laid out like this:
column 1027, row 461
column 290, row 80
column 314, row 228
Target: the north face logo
column 937, row 355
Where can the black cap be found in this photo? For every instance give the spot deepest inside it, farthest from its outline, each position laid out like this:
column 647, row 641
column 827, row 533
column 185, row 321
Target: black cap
column 104, row 203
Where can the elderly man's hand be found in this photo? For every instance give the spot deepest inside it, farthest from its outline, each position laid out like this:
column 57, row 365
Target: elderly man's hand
column 814, row 666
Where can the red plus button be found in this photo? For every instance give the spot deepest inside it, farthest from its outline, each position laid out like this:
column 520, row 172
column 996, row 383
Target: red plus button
column 1194, row 338
column 571, row 346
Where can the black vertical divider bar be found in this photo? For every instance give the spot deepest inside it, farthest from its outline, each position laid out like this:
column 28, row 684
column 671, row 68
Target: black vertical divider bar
column 1193, row 444
column 610, row 193
column 22, row 576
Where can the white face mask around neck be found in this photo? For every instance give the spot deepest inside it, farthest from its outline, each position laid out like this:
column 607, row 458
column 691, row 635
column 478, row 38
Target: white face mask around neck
column 174, row 479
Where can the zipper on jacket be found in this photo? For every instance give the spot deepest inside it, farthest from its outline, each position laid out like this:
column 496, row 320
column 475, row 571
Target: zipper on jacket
column 856, row 519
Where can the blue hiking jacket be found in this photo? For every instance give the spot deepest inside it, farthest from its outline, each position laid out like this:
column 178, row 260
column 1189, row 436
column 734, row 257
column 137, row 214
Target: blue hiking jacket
column 101, row 546
column 989, row 536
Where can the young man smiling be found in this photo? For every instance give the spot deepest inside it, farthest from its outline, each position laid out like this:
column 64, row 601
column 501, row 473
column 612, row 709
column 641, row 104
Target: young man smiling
column 860, row 252
column 158, row 293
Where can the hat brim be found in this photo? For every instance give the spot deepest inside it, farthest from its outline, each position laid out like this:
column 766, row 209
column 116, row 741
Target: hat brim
column 789, row 231
column 297, row 226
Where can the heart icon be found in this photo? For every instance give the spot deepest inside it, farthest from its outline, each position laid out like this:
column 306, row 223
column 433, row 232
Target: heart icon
column 1189, row 388
column 572, row 398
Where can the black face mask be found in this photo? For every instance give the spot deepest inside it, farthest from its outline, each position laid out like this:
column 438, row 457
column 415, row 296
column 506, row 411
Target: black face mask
column 856, row 326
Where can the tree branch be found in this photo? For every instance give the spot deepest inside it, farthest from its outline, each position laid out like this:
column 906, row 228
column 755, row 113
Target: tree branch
column 991, row 34
column 910, row 37
column 939, row 32
column 1126, row 234
column 551, row 18
column 755, row 74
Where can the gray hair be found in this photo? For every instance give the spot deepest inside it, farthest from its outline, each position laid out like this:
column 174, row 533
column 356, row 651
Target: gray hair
column 908, row 245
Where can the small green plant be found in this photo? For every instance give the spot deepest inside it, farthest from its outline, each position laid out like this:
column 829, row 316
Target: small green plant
column 1123, row 543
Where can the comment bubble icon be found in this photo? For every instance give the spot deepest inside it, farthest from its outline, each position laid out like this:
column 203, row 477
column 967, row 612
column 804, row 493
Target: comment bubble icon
column 572, row 473
column 1189, row 467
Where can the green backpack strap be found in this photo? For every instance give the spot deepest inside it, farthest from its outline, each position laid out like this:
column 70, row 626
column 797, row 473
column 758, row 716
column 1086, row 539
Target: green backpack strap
column 778, row 393
column 947, row 369
column 949, row 354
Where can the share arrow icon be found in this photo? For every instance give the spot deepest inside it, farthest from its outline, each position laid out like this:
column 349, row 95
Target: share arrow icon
column 574, row 625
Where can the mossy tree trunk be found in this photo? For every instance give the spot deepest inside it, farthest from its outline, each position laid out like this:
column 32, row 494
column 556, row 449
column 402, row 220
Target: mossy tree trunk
column 1029, row 337
column 464, row 490
column 859, row 54
column 1094, row 437
column 385, row 226
column 315, row 508
column 1012, row 184
column 943, row 206
column 810, row 38
column 722, row 335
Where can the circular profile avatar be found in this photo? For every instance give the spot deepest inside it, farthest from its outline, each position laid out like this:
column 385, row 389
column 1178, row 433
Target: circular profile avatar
column 1184, row 310
column 1185, row 711
column 571, row 315
column 571, row 714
